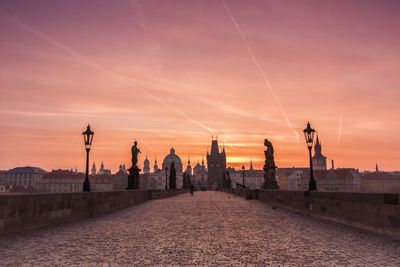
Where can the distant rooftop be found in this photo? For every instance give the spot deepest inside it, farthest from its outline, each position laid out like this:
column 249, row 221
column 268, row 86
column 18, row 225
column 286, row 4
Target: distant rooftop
column 291, row 169
column 380, row 175
column 55, row 174
column 27, row 169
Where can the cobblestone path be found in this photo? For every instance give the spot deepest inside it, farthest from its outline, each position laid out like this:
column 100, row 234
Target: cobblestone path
column 210, row 228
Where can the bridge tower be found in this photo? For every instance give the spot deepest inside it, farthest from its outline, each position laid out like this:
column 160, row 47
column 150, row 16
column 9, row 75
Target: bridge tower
column 146, row 166
column 216, row 164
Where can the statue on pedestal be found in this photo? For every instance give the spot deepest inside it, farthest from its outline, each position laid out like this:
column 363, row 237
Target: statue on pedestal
column 133, row 178
column 135, row 151
column 172, row 177
column 269, row 167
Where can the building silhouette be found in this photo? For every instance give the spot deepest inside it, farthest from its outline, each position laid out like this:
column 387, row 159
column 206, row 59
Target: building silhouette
column 94, row 169
column 319, row 160
column 216, row 165
column 155, row 167
column 199, row 177
column 23, row 179
column 156, row 179
column 172, row 157
column 122, row 170
column 67, row 181
column 146, row 166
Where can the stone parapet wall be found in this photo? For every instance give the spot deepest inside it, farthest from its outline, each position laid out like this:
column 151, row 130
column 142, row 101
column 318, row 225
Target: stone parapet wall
column 19, row 212
column 371, row 211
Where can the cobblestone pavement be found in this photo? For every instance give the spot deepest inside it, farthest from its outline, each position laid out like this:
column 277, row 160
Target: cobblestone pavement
column 210, row 228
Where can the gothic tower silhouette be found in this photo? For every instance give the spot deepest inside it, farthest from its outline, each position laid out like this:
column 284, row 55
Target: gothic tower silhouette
column 319, row 160
column 216, row 164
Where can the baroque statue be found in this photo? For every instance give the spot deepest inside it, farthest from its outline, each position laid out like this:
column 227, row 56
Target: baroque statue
column 133, row 177
column 269, row 167
column 135, row 151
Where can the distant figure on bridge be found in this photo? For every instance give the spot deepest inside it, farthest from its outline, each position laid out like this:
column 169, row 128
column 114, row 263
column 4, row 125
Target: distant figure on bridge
column 192, row 189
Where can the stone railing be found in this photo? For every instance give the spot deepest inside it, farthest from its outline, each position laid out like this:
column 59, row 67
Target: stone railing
column 19, row 212
column 370, row 211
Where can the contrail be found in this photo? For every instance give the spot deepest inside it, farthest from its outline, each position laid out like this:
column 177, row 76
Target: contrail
column 340, row 129
column 85, row 60
column 260, row 69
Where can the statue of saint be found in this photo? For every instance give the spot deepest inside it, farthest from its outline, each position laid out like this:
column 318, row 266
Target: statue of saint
column 269, row 167
column 135, row 152
column 269, row 155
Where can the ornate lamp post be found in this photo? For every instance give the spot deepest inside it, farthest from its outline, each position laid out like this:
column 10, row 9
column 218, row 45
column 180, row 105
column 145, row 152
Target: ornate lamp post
column 166, row 177
column 88, row 138
column 243, row 169
column 309, row 136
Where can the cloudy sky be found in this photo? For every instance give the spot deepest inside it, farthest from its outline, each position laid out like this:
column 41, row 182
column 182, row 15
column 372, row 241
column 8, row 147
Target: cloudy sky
column 177, row 72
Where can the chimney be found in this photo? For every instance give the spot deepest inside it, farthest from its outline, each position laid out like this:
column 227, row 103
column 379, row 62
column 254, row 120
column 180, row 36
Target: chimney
column 333, row 164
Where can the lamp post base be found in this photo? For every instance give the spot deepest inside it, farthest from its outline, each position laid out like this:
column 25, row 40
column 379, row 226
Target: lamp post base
column 86, row 186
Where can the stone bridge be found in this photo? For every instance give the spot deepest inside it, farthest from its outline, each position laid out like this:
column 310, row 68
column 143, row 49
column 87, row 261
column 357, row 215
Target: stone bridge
column 210, row 228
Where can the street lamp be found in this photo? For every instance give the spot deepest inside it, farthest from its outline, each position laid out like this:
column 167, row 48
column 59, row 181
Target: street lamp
column 309, row 136
column 88, row 138
column 243, row 169
column 166, row 177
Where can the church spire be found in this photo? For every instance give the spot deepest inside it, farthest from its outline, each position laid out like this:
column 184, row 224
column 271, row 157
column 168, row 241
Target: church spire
column 318, row 146
column 188, row 167
column 155, row 164
column 319, row 160
column 146, row 166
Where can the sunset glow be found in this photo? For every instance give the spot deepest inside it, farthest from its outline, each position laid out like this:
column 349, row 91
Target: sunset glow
column 175, row 73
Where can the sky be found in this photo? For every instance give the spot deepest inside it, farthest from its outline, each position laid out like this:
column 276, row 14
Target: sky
column 177, row 72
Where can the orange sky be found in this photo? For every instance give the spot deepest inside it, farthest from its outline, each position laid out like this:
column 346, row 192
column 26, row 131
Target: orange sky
column 174, row 73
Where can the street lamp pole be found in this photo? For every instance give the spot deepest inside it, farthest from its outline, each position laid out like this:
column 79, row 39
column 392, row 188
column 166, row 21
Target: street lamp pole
column 166, row 178
column 243, row 169
column 309, row 136
column 88, row 139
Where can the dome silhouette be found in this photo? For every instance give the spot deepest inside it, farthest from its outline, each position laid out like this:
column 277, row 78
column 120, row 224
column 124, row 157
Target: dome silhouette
column 172, row 157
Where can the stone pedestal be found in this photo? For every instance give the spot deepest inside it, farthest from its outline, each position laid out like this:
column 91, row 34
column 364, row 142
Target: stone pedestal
column 268, row 184
column 270, row 179
column 133, row 178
